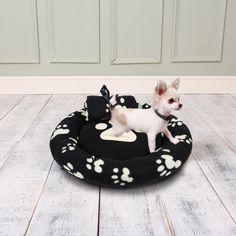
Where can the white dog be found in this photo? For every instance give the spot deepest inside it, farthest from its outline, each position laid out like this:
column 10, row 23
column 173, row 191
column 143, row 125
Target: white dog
column 151, row 121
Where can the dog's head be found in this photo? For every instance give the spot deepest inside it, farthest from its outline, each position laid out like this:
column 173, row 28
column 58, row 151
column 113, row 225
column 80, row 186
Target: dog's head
column 167, row 96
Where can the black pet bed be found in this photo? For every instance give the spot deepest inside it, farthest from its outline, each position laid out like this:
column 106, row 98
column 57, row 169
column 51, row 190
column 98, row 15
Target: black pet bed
column 82, row 144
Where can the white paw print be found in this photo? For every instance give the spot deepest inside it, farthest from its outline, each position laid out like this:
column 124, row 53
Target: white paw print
column 108, row 108
column 69, row 167
column 107, row 134
column 164, row 150
column 121, row 178
column 96, row 165
column 117, row 102
column 70, row 146
column 84, row 111
column 184, row 138
column 144, row 106
column 166, row 163
column 60, row 129
column 175, row 122
column 71, row 115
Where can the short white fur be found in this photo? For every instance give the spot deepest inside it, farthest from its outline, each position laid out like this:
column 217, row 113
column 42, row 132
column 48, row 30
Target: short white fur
column 165, row 99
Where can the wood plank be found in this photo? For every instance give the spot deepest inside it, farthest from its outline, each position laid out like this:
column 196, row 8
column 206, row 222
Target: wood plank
column 67, row 206
column 187, row 201
column 15, row 124
column 192, row 206
column 25, row 173
column 134, row 212
column 8, row 102
column 219, row 114
column 182, row 205
column 214, row 156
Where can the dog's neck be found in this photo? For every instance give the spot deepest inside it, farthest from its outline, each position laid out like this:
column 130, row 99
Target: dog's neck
column 161, row 112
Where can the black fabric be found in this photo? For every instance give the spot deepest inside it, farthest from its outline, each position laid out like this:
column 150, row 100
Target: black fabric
column 98, row 107
column 77, row 146
column 90, row 140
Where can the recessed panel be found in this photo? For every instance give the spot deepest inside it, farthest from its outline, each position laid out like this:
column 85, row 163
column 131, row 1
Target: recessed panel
column 198, row 30
column 136, row 31
column 74, row 31
column 18, row 37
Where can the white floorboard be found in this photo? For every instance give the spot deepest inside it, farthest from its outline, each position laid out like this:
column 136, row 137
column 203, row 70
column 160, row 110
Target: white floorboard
column 16, row 123
column 8, row 102
column 133, row 212
column 67, row 206
column 38, row 198
column 213, row 154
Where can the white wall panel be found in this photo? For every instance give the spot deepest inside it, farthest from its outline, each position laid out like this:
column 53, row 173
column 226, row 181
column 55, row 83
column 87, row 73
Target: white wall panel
column 117, row 37
column 74, row 31
column 198, row 30
column 136, row 31
column 18, row 31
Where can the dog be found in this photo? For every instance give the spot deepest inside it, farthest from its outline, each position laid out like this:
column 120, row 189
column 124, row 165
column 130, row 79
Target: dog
column 151, row 121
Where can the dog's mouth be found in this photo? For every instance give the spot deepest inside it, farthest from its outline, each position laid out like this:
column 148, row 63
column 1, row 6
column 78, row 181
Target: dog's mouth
column 178, row 108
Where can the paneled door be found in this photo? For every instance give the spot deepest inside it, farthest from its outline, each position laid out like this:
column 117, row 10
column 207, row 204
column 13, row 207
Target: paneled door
column 117, row 37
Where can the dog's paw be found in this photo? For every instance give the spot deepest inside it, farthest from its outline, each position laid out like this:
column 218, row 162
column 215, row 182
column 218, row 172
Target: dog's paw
column 152, row 150
column 174, row 141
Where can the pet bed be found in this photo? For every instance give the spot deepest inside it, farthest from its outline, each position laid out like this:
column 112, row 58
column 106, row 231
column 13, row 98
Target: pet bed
column 82, row 144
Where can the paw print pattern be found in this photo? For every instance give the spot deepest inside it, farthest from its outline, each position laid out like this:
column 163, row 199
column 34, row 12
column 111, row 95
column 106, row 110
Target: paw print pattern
column 69, row 167
column 60, row 129
column 166, row 163
column 70, row 146
column 84, row 111
column 107, row 134
column 123, row 177
column 117, row 101
column 175, row 122
column 164, row 150
column 71, row 115
column 146, row 106
column 96, row 165
column 184, row 138
column 108, row 108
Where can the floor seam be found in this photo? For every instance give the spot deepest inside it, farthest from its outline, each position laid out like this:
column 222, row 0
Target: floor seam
column 18, row 102
column 27, row 130
column 38, row 199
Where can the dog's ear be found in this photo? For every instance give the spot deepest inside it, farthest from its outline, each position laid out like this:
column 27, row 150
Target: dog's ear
column 161, row 87
column 176, row 83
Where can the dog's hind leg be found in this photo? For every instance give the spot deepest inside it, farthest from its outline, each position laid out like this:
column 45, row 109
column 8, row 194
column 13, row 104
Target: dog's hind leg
column 118, row 130
column 118, row 122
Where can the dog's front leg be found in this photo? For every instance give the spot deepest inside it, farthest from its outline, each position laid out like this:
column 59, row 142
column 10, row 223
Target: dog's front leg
column 151, row 141
column 170, row 137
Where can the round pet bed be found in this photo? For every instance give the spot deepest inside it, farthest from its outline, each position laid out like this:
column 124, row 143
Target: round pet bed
column 82, row 145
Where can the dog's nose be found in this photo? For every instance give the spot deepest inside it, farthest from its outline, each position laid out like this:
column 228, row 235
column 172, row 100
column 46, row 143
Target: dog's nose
column 180, row 105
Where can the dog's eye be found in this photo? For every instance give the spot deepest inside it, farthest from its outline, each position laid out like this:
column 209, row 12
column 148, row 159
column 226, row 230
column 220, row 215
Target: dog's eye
column 171, row 100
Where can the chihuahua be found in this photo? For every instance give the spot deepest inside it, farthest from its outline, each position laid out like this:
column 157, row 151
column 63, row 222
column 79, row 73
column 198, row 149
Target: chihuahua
column 151, row 121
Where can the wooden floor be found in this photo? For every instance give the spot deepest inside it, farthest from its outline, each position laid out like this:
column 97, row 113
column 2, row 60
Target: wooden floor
column 37, row 198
